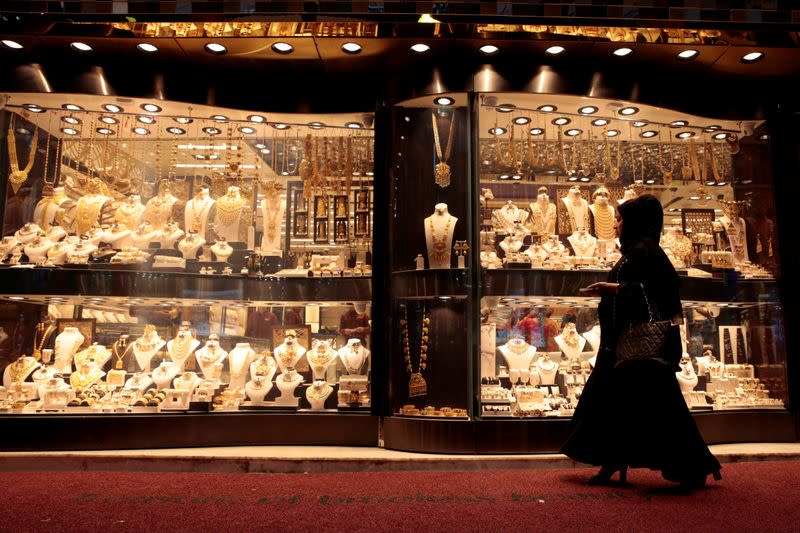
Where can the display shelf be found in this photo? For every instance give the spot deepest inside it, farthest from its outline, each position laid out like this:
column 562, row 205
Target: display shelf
column 566, row 283
column 430, row 283
column 174, row 285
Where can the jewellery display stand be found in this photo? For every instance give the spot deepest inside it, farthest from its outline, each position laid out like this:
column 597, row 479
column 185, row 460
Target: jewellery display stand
column 286, row 382
column 439, row 230
column 181, row 348
column 272, row 213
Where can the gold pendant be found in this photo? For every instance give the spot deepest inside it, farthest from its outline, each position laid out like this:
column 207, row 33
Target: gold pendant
column 686, row 172
column 615, row 173
column 600, row 177
column 417, row 385
column 17, row 178
column 37, row 354
column 442, row 175
column 667, row 177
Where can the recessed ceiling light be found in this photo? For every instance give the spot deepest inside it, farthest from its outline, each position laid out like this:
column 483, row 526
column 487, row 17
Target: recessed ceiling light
column 612, row 133
column 219, row 118
column 547, row 108
column 260, row 145
column 33, row 108
column 763, row 137
column 639, row 123
column 720, row 136
column 688, row 54
column 147, row 48
column 199, row 157
column 573, row 132
column 752, row 57
column 282, row 48
column 587, row 110
column 69, row 131
column 561, row 121
column 600, row 122
column 13, row 45
column 176, row 130
column 247, row 130
column 316, row 125
column 280, row 126
column 80, row 47
column 628, row 111
column 16, row 297
column 622, row 52
column 685, row 135
column 521, row 121
column 497, row 131
column 555, row 50
column 354, row 125
column 112, row 108
column 711, row 128
column 650, row 181
column 23, row 131
column 216, row 49
column 183, row 120
column 72, row 107
column 444, row 100
column 506, row 108
column 489, row 49
column 265, row 150
column 151, row 108
column 108, row 120
column 678, row 123
column 648, row 133
column 420, row 48
column 213, row 156
column 144, row 119
column 585, row 179
column 537, row 131
column 71, row 120
column 141, row 131
column 258, row 119
column 351, row 48
column 105, row 131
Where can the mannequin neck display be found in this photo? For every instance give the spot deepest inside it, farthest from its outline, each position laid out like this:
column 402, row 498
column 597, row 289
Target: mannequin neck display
column 687, row 379
column 544, row 215
column 58, row 253
column 737, row 235
column 159, row 208
column 164, row 373
column 317, row 394
column 593, row 338
column 554, row 246
column 222, row 250
column 82, row 249
column 512, row 243
column 94, row 235
column 95, row 355
column 85, row 376
column 37, row 249
column 287, row 382
column 353, row 356
column 18, row 371
column 582, row 243
column 604, row 218
column 190, row 245
column 145, row 235
column 209, row 355
column 518, row 354
column 537, row 254
column 320, row 357
column 547, row 369
column 197, row 212
column 181, row 347
column 139, row 381
column 439, row 230
column 272, row 208
column 257, row 389
column 119, row 237
column 505, row 218
column 27, row 233
column 570, row 342
column 238, row 360
column 56, row 233
column 43, row 374
column 129, row 212
column 186, row 381
column 288, row 353
column 629, row 194
column 263, row 366
column 66, row 346
column 146, row 347
column 229, row 209
column 170, row 234
column 577, row 208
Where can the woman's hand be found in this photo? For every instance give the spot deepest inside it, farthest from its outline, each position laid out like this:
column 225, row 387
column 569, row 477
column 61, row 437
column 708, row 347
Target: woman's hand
column 600, row 289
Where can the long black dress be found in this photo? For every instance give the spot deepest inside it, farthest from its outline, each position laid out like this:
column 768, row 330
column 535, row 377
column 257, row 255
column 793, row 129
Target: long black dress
column 634, row 413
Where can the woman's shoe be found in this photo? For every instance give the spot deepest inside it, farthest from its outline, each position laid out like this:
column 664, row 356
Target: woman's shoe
column 603, row 477
column 687, row 485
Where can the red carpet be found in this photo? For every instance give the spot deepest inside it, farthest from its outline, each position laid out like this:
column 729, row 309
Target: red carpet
column 751, row 497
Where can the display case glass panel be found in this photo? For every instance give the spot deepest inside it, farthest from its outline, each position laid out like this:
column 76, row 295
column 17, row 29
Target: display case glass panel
column 553, row 169
column 163, row 258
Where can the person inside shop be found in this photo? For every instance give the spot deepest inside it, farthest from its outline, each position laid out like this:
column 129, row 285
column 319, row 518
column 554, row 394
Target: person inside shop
column 355, row 323
column 632, row 413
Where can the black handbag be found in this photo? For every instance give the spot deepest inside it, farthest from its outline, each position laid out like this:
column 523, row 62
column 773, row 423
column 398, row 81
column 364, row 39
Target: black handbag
column 650, row 340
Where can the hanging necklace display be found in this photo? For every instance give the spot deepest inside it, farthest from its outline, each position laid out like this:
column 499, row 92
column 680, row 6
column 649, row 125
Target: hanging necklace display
column 686, row 169
column 348, row 165
column 417, row 385
column 699, row 172
column 569, row 168
column 119, row 358
column 40, row 336
column 615, row 168
column 531, row 153
column 17, row 176
column 442, row 168
column 715, row 167
column 306, row 169
column 440, row 243
column 665, row 173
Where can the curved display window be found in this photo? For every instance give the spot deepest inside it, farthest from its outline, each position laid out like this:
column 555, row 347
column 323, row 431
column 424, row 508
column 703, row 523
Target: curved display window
column 162, row 258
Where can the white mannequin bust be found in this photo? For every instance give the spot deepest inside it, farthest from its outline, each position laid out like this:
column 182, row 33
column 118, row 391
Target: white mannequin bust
column 66, row 346
column 229, row 209
column 28, row 232
column 146, row 347
column 593, row 338
column 570, row 342
column 56, row 233
column 736, row 231
column 577, row 208
column 628, row 194
column 264, row 366
column 37, row 249
column 289, row 352
column 210, row 355
column 317, row 393
column 129, row 212
column 238, row 362
column 190, row 245
column 186, row 381
column 182, row 346
column 320, row 357
column 272, row 209
column 543, row 213
column 144, row 235
column 119, row 237
column 582, row 243
column 221, row 250
column 547, row 370
column 354, row 356
column 139, row 381
column 158, row 209
column 197, row 211
column 687, row 379
column 603, row 216
column 537, row 254
column 169, row 235
column 512, row 243
column 518, row 354
column 19, row 369
column 257, row 389
column 164, row 373
column 81, row 251
column 505, row 219
column 439, row 230
column 287, row 382
column 554, row 247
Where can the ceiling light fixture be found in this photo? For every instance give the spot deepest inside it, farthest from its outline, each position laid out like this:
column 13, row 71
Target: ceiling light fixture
column 183, row 120
column 521, row 121
column 176, row 130
column 686, row 55
column 13, row 45
column 639, row 123
column 351, row 48
column 280, row 126
column 489, row 49
column 316, row 125
column 678, row 123
column 112, row 108
column 80, row 47
column 628, row 111
column 219, row 118
column 258, row 119
column 108, row 120
column 588, row 110
column 561, row 121
column 420, row 48
column 354, row 125
column 685, row 135
column 600, row 122
column 144, row 119
column 216, row 49
column 151, row 108
column 648, row 133
column 141, row 131
column 33, row 108
column 71, row 120
column 506, row 108
column 752, row 57
column 105, row 131
column 720, row 136
column 282, row 48
column 547, row 108
column 444, row 100
column 69, row 131
column 612, row 133
column 147, row 48
column 622, row 52
column 497, row 131
column 555, row 50
column 573, row 132
column 72, row 107
column 537, row 131
column 247, row 130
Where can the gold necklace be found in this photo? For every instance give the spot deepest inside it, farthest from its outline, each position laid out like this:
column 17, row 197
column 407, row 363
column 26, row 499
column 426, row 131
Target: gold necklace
column 119, row 358
column 442, row 169
column 667, row 174
column 37, row 346
column 271, row 194
column 604, row 222
column 128, row 214
column 416, row 383
column 686, row 168
column 210, row 355
column 16, row 176
column 287, row 357
column 229, row 209
column 571, row 338
column 265, row 365
column 440, row 250
column 158, row 210
column 20, row 368
column 318, row 393
column 180, row 346
column 88, row 211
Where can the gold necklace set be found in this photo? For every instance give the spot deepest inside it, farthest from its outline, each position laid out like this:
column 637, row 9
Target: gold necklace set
column 17, row 176
column 442, row 169
column 43, row 332
column 181, row 346
column 119, row 358
column 229, row 208
column 417, row 385
column 318, row 393
column 440, row 248
column 604, row 221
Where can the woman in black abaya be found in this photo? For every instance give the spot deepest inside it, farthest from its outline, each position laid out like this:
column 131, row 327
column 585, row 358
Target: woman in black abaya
column 632, row 413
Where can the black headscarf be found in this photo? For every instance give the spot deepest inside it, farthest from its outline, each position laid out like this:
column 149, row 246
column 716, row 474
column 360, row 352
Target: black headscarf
column 642, row 220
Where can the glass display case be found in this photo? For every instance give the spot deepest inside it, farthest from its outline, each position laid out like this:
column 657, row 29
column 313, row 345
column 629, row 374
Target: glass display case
column 553, row 168
column 161, row 258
